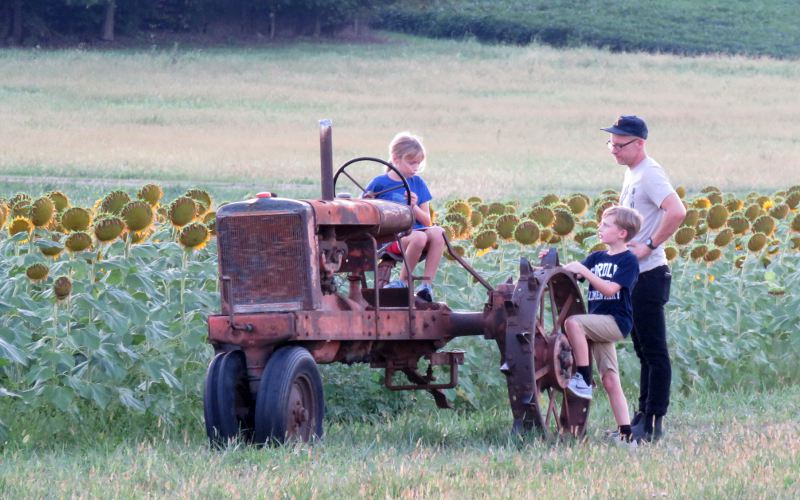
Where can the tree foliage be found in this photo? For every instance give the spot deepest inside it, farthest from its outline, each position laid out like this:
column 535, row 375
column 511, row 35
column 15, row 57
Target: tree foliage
column 37, row 21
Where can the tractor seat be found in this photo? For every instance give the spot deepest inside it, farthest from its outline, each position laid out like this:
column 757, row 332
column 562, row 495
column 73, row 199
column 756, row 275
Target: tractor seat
column 391, row 251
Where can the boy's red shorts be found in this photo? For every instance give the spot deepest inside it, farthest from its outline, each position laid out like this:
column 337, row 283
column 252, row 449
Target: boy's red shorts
column 394, row 247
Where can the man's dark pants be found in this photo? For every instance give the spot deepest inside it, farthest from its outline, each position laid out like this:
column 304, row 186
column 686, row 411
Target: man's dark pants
column 649, row 334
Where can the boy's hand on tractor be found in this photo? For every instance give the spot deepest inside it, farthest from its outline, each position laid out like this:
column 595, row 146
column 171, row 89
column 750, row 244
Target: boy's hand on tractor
column 577, row 268
column 413, row 199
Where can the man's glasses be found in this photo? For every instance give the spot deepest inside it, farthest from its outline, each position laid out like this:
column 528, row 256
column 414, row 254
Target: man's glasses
column 612, row 145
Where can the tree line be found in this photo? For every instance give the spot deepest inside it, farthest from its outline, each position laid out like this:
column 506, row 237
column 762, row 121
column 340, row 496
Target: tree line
column 24, row 22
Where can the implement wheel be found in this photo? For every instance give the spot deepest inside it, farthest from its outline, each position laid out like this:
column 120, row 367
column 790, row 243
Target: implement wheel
column 290, row 403
column 227, row 403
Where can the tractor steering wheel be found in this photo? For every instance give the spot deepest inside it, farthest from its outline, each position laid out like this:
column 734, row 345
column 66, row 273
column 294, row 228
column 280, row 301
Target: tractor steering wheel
column 343, row 170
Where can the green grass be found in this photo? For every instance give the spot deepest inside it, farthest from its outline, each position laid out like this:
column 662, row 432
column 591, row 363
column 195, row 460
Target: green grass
column 521, row 120
column 679, row 26
column 719, row 446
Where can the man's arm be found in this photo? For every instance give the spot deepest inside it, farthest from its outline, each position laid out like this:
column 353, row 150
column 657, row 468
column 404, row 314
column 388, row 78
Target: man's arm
column 674, row 213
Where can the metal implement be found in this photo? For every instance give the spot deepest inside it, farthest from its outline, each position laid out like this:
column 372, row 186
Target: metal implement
column 298, row 281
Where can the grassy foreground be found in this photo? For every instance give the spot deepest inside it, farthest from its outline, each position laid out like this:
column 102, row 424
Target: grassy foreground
column 501, row 122
column 719, row 446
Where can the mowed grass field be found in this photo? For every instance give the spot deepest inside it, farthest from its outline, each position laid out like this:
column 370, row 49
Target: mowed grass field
column 501, row 122
column 719, row 446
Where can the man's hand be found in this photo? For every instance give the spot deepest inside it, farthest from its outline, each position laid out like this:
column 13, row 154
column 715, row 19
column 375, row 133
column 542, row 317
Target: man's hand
column 639, row 249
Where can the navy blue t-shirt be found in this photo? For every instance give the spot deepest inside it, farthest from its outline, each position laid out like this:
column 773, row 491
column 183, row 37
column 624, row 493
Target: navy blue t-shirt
column 398, row 195
column 623, row 269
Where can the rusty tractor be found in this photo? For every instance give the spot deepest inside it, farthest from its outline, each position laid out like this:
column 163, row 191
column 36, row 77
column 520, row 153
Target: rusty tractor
column 295, row 280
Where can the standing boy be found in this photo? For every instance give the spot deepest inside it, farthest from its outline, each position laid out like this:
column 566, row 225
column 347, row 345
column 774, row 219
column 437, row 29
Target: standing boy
column 647, row 190
column 611, row 274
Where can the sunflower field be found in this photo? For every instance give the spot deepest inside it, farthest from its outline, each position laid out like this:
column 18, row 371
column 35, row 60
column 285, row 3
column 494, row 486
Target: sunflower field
column 105, row 306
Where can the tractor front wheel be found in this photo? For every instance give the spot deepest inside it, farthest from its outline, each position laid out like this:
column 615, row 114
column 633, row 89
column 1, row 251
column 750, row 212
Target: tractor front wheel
column 290, row 403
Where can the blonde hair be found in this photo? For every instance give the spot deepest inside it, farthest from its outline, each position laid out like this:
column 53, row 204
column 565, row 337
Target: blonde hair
column 406, row 144
column 625, row 218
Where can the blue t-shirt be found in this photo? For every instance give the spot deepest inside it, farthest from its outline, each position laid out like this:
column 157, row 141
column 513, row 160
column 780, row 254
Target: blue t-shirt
column 417, row 185
column 623, row 269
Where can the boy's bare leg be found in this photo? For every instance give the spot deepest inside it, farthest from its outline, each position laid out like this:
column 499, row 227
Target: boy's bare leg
column 619, row 405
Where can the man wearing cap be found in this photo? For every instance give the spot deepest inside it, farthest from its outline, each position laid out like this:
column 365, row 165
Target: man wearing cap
column 647, row 189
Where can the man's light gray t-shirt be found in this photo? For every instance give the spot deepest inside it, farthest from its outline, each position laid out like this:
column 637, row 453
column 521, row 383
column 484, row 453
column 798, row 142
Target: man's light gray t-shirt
column 645, row 188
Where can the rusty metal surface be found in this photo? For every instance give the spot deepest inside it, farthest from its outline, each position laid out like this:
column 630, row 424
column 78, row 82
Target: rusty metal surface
column 380, row 218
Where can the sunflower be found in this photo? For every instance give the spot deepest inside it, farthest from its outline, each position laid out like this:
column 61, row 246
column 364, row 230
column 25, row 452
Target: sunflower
column 108, row 228
column 138, row 215
column 577, row 204
column 62, row 288
column 544, row 216
column 734, row 205
column 37, row 272
column 19, row 225
column 698, row 251
column 564, row 223
column 717, row 216
column 60, row 200
column 114, row 202
column 3, row 215
column 474, row 200
column 150, row 193
column 42, row 211
column 202, row 197
column 545, row 235
column 793, row 199
column 701, row 202
column 505, row 225
column 457, row 249
column 712, row 255
column 681, row 191
column 527, row 232
column 549, row 199
column 671, row 252
column 496, row 208
column 76, row 219
column 582, row 235
column 724, row 237
column 685, row 235
column 194, row 236
column 765, row 224
column 485, row 239
column 210, row 220
column 182, row 211
column 739, row 224
column 475, row 218
column 757, row 242
column 459, row 222
column 779, row 211
column 461, row 207
column 691, row 218
column 50, row 247
column 78, row 241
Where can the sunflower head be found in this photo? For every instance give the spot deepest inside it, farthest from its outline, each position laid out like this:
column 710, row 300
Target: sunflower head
column 714, row 198
column 459, row 223
column 210, row 220
column 685, row 235
column 202, row 197
column 724, row 237
column 542, row 215
column 549, row 199
column 717, row 216
column 712, row 255
column 779, row 211
column 583, row 235
column 37, row 272
column 78, row 241
column 151, row 194
column 62, row 287
column 681, row 192
column 505, row 225
column 194, row 236
column 527, row 232
column 698, row 251
column 757, row 242
column 692, row 216
column 753, row 212
column 114, row 202
column 182, row 211
column 475, row 218
column 564, row 223
column 734, row 205
column 138, row 215
column 546, row 234
column 19, row 225
column 701, row 202
column 3, row 214
column 485, row 239
column 795, row 243
column 496, row 208
column 458, row 250
column 765, row 224
column 108, row 228
column 671, row 252
column 474, row 200
column 42, row 210
column 76, row 219
column 50, row 247
column 739, row 224
column 577, row 204
column 461, row 207
column 59, row 199
column 793, row 199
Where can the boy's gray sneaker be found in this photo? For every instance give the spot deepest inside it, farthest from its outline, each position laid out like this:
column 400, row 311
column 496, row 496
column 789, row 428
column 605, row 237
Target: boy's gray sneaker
column 425, row 292
column 396, row 284
column 578, row 387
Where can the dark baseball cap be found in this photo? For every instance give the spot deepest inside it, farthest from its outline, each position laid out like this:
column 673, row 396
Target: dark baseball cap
column 628, row 125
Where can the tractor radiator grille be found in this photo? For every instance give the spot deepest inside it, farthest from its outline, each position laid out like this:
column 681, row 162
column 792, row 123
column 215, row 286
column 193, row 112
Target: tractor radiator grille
column 265, row 260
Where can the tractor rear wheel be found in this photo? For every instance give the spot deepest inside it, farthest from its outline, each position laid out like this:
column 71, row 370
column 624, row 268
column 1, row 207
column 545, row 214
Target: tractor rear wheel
column 290, row 403
column 227, row 403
